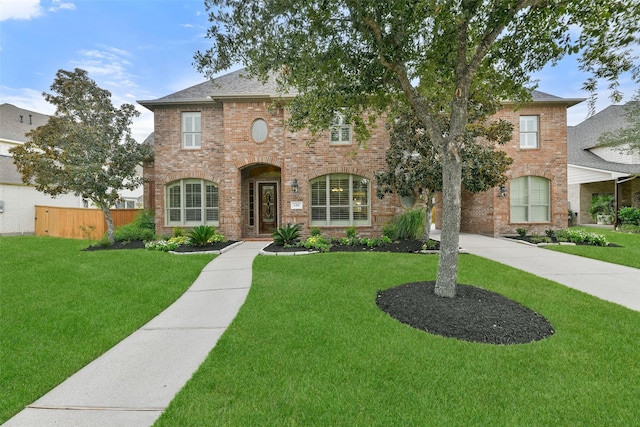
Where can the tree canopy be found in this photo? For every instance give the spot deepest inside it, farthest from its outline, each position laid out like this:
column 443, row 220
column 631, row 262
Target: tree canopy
column 85, row 148
column 627, row 138
column 450, row 61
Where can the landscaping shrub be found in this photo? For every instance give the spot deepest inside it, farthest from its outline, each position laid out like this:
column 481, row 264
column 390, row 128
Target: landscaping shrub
column 142, row 227
column 316, row 242
column 288, row 234
column 629, row 215
column 165, row 245
column 203, row 235
column 409, row 224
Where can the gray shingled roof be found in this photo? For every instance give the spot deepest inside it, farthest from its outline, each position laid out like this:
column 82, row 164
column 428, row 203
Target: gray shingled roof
column 233, row 85
column 582, row 137
column 237, row 85
column 13, row 128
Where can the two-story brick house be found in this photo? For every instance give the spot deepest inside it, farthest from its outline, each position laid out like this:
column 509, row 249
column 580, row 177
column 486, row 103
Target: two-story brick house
column 224, row 157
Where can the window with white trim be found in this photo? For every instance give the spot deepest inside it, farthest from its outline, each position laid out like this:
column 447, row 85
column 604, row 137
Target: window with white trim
column 191, row 130
column 530, row 199
column 340, row 130
column 340, row 200
column 191, row 202
column 529, row 134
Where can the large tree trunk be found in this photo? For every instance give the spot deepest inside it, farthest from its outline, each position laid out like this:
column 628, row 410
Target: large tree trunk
column 446, row 282
column 110, row 227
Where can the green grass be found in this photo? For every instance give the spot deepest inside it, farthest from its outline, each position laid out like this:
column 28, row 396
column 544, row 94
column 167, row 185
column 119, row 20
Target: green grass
column 628, row 254
column 62, row 307
column 310, row 347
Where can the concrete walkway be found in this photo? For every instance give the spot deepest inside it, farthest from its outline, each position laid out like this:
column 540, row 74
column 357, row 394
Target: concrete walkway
column 132, row 383
column 610, row 282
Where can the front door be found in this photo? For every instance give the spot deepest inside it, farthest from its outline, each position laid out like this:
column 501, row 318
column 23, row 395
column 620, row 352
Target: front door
column 268, row 207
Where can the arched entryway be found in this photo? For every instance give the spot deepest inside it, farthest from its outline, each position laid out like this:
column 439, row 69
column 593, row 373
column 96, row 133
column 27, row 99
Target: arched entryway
column 261, row 196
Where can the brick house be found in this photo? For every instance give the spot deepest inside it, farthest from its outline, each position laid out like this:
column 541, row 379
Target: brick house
column 224, row 157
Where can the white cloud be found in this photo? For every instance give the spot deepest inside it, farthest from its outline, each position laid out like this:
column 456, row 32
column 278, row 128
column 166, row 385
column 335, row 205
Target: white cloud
column 19, row 9
column 60, row 5
column 29, row 99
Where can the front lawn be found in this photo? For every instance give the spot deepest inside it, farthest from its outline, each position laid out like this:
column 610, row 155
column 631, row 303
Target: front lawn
column 62, row 307
column 310, row 347
column 626, row 251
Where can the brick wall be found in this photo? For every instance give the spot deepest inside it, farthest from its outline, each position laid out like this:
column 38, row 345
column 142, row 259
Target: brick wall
column 489, row 213
column 229, row 155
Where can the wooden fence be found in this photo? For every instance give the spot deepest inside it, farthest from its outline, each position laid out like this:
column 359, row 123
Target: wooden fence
column 76, row 223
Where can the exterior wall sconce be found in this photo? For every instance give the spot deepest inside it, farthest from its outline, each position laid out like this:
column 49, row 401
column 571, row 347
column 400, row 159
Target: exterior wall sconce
column 503, row 190
column 294, row 186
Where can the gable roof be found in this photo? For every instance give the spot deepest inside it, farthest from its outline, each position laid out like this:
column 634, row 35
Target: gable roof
column 15, row 122
column 584, row 136
column 235, row 85
column 238, row 85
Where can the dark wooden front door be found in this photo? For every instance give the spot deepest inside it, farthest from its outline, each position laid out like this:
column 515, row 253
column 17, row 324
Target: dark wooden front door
column 268, row 207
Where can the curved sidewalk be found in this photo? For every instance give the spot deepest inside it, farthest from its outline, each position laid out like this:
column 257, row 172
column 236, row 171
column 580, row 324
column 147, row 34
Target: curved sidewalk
column 610, row 282
column 132, row 383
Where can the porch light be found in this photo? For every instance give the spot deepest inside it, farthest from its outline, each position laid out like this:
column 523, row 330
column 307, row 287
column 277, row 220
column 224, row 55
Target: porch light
column 503, row 190
column 294, row 186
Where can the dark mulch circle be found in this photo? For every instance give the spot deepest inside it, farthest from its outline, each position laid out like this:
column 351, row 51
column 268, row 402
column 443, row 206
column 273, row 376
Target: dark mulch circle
column 139, row 244
column 475, row 314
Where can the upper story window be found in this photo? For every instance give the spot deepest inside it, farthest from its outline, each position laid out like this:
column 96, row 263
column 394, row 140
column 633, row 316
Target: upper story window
column 259, row 130
column 340, row 130
column 529, row 199
column 340, row 199
column 191, row 202
column 529, row 133
column 191, row 129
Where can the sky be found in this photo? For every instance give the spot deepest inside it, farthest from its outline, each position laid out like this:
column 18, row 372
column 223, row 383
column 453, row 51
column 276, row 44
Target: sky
column 143, row 49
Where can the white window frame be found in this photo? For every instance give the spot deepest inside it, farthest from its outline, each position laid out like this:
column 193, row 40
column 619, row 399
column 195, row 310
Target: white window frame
column 191, row 130
column 529, row 132
column 194, row 208
column 357, row 206
column 534, row 205
column 337, row 129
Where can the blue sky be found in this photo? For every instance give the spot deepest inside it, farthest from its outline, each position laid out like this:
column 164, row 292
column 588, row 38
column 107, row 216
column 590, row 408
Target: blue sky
column 143, row 49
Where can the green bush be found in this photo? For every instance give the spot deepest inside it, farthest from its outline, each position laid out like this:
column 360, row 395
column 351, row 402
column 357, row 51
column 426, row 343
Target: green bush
column 351, row 232
column 316, row 242
column 409, row 224
column 288, row 234
column 522, row 232
column 201, row 235
column 142, row 227
column 165, row 245
column 629, row 215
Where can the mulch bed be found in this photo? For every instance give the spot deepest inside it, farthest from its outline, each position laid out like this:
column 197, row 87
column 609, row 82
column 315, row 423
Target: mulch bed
column 401, row 246
column 139, row 244
column 475, row 314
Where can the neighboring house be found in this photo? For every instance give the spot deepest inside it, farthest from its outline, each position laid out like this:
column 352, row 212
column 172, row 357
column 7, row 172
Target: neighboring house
column 594, row 170
column 223, row 157
column 18, row 200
